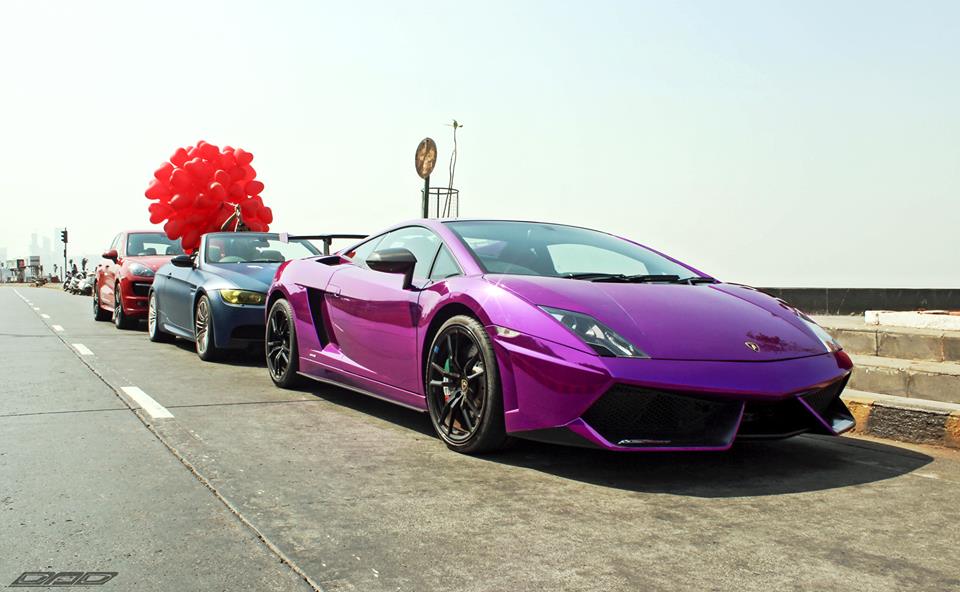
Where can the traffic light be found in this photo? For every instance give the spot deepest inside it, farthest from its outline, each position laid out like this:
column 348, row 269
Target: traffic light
column 63, row 236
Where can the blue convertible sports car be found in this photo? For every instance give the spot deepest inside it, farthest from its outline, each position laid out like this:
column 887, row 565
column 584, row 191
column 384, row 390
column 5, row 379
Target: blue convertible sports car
column 216, row 296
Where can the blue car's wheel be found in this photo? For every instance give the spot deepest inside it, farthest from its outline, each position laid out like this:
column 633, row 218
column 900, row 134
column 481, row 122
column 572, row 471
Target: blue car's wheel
column 203, row 331
column 280, row 345
column 154, row 332
column 463, row 388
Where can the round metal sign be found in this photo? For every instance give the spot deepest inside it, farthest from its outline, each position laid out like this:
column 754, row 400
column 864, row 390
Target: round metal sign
column 426, row 157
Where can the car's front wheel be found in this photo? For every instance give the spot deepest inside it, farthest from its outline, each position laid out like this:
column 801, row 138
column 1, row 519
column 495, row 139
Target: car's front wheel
column 463, row 388
column 280, row 345
column 121, row 320
column 154, row 332
column 203, row 331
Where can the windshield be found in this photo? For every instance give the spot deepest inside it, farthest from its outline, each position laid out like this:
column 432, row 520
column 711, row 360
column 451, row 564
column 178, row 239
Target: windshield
column 144, row 244
column 246, row 247
column 529, row 248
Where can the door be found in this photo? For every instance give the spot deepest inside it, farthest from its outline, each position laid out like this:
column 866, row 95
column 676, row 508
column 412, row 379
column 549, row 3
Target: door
column 176, row 297
column 375, row 319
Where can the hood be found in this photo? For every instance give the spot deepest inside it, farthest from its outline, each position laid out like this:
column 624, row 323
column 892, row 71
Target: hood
column 679, row 321
column 244, row 276
column 154, row 262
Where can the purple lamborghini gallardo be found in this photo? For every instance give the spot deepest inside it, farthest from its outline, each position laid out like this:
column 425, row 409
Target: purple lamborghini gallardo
column 553, row 333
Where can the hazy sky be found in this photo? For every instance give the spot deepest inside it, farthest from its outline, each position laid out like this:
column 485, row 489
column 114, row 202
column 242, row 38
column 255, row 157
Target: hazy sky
column 773, row 143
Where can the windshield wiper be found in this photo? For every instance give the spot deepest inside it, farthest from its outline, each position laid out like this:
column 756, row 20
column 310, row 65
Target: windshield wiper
column 621, row 278
column 698, row 279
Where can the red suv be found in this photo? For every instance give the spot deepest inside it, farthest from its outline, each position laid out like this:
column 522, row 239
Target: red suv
column 124, row 280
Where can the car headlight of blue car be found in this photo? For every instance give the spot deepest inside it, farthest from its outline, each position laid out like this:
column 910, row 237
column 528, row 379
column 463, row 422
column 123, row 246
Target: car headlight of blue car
column 243, row 297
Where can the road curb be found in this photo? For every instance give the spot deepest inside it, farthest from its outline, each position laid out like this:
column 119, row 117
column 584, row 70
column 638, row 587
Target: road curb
column 904, row 419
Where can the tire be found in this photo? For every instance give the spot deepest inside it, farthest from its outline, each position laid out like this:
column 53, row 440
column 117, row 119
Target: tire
column 462, row 385
column 280, row 346
column 98, row 313
column 120, row 320
column 207, row 350
column 154, row 332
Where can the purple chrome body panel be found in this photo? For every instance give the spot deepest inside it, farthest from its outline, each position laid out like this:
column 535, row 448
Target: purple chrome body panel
column 361, row 329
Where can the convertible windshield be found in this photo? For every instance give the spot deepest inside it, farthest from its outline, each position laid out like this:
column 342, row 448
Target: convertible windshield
column 144, row 244
column 529, row 248
column 248, row 247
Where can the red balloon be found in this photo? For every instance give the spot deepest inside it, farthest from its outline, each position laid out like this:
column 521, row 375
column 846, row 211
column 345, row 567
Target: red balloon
column 204, row 202
column 209, row 151
column 182, row 202
column 243, row 157
column 162, row 174
column 217, row 191
column 179, row 157
column 157, row 190
column 173, row 228
column 181, row 179
column 201, row 187
column 254, row 188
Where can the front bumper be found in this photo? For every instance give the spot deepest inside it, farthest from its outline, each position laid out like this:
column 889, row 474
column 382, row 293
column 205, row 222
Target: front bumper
column 135, row 294
column 236, row 326
column 556, row 393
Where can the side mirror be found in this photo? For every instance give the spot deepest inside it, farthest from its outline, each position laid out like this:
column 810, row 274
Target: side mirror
column 182, row 261
column 111, row 255
column 394, row 261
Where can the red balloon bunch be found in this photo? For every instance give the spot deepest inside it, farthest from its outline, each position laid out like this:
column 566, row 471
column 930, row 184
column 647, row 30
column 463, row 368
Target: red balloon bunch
column 202, row 188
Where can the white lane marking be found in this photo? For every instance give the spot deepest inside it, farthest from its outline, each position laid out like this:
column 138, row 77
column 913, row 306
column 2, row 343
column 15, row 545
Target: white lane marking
column 57, row 328
column 44, row 315
column 146, row 402
column 36, row 308
column 82, row 349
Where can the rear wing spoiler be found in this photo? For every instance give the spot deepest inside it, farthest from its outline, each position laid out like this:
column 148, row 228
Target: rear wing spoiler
column 326, row 238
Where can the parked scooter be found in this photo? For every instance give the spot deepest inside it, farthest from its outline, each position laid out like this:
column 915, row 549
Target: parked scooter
column 86, row 285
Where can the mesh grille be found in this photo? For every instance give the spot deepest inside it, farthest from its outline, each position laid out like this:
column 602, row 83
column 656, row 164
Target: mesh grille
column 662, row 418
column 141, row 288
column 820, row 400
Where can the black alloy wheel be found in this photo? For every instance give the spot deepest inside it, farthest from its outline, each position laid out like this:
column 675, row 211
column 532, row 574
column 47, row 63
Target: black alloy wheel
column 463, row 388
column 280, row 345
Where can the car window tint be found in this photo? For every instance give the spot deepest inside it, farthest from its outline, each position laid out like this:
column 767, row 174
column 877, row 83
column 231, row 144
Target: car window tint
column 419, row 241
column 579, row 258
column 445, row 266
column 359, row 254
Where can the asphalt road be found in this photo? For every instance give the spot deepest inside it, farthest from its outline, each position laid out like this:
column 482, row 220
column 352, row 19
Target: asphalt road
column 249, row 487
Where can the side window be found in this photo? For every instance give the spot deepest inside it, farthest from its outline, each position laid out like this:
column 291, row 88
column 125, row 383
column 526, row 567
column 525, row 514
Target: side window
column 419, row 241
column 115, row 244
column 444, row 266
column 359, row 254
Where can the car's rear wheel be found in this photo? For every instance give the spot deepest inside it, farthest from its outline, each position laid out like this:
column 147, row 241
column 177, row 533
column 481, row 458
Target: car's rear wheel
column 154, row 332
column 203, row 331
column 121, row 320
column 463, row 388
column 98, row 313
column 280, row 345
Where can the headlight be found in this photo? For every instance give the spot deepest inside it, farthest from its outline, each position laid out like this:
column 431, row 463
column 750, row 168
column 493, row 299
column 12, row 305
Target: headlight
column 825, row 338
column 604, row 340
column 140, row 270
column 242, row 297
